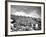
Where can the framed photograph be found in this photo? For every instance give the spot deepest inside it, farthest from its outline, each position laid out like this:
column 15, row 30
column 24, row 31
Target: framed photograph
column 24, row 18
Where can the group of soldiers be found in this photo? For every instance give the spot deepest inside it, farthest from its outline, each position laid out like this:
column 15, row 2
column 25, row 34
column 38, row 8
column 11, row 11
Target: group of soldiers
column 22, row 27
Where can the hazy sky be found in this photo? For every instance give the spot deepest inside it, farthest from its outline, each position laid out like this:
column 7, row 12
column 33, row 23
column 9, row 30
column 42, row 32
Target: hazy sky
column 31, row 11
